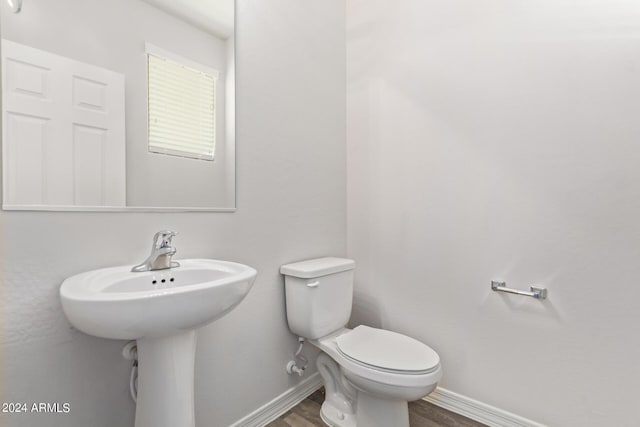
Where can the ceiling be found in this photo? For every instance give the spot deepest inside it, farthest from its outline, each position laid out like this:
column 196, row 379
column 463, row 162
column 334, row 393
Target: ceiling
column 213, row 16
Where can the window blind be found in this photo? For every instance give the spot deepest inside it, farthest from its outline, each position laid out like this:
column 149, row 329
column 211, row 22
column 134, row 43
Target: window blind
column 181, row 109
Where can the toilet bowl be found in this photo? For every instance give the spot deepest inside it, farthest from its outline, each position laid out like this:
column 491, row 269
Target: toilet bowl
column 369, row 374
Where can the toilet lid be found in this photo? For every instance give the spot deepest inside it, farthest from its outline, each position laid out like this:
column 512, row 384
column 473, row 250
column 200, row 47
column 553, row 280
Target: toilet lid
column 388, row 350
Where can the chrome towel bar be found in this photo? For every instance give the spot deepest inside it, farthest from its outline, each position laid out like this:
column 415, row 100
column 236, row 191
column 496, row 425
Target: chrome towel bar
column 536, row 292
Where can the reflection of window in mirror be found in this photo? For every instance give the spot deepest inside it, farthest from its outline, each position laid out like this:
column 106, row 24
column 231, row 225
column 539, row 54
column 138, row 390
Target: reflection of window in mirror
column 181, row 105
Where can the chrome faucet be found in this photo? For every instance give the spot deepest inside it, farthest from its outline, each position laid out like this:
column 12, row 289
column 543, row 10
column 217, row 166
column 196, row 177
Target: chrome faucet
column 161, row 253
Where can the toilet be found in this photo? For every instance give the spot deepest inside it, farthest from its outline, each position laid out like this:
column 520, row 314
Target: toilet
column 369, row 374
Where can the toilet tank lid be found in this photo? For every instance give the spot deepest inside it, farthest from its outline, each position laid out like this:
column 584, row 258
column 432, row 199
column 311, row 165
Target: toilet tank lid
column 317, row 267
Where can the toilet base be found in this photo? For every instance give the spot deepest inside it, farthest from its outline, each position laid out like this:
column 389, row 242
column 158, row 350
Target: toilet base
column 347, row 405
column 375, row 412
column 337, row 409
column 336, row 418
column 372, row 412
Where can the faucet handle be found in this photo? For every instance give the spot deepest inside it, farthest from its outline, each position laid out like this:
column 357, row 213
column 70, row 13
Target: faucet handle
column 162, row 239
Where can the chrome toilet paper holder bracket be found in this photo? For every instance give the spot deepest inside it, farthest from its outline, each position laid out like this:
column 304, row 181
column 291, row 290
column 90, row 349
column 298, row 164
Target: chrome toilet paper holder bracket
column 535, row 291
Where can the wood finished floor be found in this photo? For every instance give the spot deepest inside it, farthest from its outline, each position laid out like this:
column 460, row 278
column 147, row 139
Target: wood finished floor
column 421, row 414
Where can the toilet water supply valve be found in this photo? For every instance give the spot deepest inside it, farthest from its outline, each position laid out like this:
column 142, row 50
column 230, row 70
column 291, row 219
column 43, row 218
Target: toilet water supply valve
column 292, row 366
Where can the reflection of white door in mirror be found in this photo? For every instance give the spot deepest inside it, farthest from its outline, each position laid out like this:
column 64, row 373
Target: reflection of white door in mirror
column 63, row 133
column 97, row 36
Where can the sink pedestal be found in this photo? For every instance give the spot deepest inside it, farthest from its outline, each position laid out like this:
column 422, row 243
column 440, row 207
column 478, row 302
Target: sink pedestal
column 165, row 381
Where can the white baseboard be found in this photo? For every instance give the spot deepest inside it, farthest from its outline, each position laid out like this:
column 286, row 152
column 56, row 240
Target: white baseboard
column 477, row 411
column 454, row 402
column 281, row 404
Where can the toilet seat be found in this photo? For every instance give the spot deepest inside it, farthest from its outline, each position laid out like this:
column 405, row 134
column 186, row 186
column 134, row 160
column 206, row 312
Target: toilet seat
column 387, row 351
column 398, row 378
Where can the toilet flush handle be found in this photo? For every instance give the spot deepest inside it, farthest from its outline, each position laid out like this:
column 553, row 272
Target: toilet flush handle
column 313, row 284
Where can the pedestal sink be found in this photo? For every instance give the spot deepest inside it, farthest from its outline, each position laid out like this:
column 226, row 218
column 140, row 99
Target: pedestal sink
column 161, row 310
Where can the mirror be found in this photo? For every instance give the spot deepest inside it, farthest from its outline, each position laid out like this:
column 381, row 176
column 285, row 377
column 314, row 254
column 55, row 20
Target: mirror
column 118, row 105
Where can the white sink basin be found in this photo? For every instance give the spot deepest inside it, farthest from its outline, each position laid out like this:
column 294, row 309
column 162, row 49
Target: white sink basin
column 160, row 310
column 118, row 304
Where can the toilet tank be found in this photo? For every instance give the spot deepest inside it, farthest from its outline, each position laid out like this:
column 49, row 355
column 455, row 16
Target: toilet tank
column 319, row 294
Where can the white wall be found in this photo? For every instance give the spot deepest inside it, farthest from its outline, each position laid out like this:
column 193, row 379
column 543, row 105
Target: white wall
column 500, row 139
column 291, row 206
column 86, row 30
